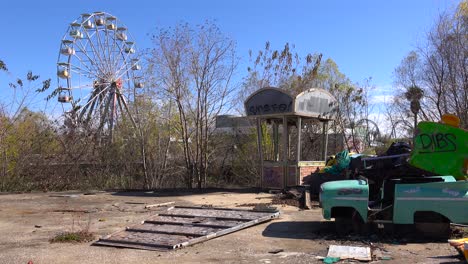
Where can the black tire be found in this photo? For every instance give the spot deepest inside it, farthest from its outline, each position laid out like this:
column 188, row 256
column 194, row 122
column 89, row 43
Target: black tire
column 432, row 225
column 439, row 230
column 343, row 226
column 359, row 226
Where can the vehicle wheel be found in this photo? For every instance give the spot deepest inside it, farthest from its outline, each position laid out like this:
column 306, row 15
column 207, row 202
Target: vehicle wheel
column 432, row 225
column 433, row 230
column 359, row 226
column 343, row 225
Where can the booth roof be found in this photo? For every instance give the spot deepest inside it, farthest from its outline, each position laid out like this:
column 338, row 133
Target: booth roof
column 270, row 102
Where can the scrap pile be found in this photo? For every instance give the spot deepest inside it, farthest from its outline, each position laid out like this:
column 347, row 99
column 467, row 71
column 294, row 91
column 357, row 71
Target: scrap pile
column 461, row 245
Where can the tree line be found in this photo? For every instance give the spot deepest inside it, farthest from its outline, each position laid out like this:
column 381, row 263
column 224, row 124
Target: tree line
column 189, row 71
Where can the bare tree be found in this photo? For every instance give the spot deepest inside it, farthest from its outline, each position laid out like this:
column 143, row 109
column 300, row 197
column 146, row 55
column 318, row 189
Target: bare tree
column 192, row 67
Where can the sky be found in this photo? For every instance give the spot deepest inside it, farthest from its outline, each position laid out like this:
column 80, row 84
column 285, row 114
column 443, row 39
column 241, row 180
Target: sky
column 366, row 38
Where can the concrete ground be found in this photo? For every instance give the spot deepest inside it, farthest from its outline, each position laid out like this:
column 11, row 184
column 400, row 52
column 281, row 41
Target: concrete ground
column 28, row 221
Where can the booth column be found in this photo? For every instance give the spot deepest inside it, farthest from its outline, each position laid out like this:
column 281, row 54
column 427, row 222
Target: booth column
column 325, row 140
column 285, row 152
column 260, row 151
column 275, row 141
column 299, row 149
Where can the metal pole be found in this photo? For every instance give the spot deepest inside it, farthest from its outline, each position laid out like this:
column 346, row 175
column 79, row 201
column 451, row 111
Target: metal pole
column 285, row 152
column 260, row 151
column 299, row 138
column 299, row 150
column 275, row 141
column 325, row 140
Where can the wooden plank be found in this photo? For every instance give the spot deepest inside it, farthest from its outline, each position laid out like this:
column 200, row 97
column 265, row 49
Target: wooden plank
column 185, row 223
column 174, row 230
column 203, row 216
column 131, row 239
column 219, row 214
column 159, row 204
column 103, row 242
column 217, row 209
column 122, row 243
column 144, row 230
column 195, row 220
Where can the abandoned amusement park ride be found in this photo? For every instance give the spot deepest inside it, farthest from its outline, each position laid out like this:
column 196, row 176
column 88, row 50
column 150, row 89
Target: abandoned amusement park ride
column 97, row 72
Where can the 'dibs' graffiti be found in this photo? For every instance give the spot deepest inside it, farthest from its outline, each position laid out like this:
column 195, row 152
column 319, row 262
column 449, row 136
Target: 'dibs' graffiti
column 437, row 142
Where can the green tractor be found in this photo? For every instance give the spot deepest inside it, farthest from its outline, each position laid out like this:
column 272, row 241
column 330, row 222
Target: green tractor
column 427, row 187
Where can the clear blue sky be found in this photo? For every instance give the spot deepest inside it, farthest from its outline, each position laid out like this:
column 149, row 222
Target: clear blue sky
column 366, row 38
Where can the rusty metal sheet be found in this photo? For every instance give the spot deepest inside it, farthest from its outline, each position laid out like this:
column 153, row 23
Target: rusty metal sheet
column 181, row 226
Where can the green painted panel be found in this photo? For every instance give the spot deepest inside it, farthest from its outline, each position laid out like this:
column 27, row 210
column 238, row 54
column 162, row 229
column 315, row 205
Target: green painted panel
column 441, row 149
column 346, row 193
column 449, row 198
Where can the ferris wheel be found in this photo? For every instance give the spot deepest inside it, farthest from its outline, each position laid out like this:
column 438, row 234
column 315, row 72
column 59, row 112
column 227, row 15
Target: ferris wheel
column 368, row 131
column 97, row 72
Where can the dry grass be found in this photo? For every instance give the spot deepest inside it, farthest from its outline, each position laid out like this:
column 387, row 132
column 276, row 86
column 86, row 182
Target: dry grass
column 73, row 237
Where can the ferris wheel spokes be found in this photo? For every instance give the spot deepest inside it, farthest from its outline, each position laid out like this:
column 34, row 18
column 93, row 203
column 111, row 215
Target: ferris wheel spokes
column 96, row 72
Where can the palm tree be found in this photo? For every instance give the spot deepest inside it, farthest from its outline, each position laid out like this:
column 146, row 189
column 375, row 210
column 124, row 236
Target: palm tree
column 414, row 94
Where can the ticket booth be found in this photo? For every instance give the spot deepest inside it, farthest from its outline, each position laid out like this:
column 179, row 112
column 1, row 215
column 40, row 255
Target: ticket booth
column 280, row 121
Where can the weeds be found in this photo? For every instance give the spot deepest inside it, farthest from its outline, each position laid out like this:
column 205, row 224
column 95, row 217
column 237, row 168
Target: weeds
column 83, row 234
column 73, row 237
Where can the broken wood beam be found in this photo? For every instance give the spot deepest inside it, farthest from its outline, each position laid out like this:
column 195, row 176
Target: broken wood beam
column 214, row 217
column 187, row 224
column 158, row 205
column 116, row 243
column 213, row 208
column 165, row 232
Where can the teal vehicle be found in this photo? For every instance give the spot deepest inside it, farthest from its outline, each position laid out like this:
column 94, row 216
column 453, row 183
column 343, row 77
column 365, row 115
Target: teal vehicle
column 407, row 188
column 432, row 203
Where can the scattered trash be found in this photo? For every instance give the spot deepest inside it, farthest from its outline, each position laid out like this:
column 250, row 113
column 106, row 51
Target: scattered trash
column 265, row 208
column 348, row 252
column 275, row 251
column 70, row 211
column 65, row 195
column 37, row 226
column 461, row 245
column 465, row 251
column 292, row 254
column 101, row 219
column 250, row 204
column 159, row 205
column 331, row 260
column 376, row 254
column 386, row 258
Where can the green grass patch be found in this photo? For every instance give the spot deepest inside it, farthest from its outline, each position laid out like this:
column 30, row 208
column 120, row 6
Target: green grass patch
column 73, row 237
